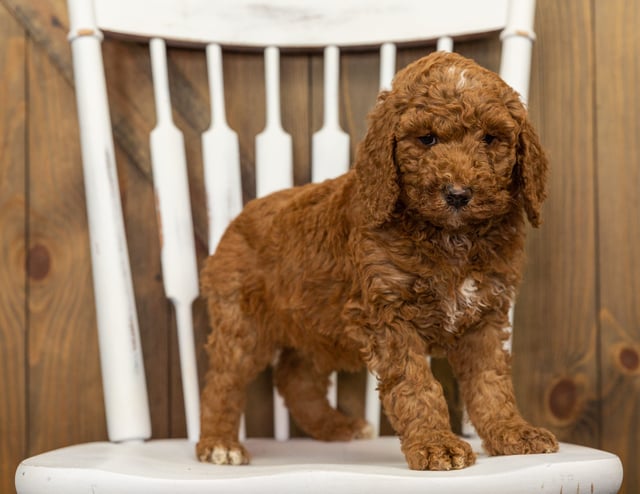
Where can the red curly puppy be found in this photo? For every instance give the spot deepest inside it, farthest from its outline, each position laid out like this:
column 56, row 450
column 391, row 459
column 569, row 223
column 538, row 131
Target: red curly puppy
column 416, row 251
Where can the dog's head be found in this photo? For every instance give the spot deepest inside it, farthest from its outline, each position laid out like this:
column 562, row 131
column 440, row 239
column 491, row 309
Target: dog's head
column 452, row 144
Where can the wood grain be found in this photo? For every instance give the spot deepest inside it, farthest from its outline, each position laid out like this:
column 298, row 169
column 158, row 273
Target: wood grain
column 47, row 25
column 618, row 156
column 555, row 353
column 65, row 392
column 13, row 204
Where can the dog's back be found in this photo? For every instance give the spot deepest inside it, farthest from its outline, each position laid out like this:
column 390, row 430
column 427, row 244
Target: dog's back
column 283, row 263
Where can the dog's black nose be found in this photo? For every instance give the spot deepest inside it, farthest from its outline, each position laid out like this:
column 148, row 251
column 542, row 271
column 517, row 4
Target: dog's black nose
column 457, row 196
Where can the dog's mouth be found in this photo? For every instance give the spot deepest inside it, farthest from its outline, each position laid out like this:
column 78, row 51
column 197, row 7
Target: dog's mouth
column 467, row 210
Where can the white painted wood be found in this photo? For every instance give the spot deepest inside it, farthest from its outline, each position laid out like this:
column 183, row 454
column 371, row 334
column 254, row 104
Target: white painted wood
column 281, row 430
column 188, row 367
column 372, row 403
column 179, row 266
column 517, row 42
column 124, row 385
column 221, row 156
column 387, row 65
column 330, row 145
column 332, row 390
column 467, row 428
column 309, row 23
column 311, row 467
column 274, row 152
column 445, row 43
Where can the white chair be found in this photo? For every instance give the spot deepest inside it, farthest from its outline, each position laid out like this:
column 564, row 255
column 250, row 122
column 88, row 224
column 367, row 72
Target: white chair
column 131, row 462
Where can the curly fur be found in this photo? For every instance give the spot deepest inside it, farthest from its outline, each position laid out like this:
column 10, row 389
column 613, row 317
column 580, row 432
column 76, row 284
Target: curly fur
column 378, row 268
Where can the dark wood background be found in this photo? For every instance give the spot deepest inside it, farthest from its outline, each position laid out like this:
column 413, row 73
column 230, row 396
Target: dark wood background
column 577, row 343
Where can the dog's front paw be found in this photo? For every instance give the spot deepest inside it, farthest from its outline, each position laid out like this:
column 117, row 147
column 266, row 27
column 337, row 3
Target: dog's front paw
column 222, row 452
column 441, row 451
column 519, row 438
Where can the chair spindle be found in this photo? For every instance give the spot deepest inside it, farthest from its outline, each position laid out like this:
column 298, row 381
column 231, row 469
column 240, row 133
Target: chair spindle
column 221, row 156
column 330, row 145
column 445, row 43
column 122, row 364
column 178, row 258
column 274, row 148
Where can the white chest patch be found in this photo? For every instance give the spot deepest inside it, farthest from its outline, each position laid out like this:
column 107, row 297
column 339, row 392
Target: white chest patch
column 468, row 290
column 465, row 302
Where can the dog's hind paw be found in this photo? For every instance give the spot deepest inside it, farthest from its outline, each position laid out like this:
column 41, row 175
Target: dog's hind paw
column 366, row 431
column 220, row 453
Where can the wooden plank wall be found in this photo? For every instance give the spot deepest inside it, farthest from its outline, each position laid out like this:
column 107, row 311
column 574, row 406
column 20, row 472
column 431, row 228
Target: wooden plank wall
column 577, row 343
column 13, row 211
column 617, row 44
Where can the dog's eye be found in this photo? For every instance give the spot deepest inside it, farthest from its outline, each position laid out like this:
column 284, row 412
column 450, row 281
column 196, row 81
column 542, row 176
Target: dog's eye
column 488, row 139
column 429, row 140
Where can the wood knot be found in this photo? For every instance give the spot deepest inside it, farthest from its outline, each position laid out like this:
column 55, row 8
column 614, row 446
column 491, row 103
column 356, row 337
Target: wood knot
column 627, row 358
column 38, row 262
column 563, row 400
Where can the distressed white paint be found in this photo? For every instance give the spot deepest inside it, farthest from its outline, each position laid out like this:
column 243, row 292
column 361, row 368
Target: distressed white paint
column 374, row 466
column 123, row 378
column 308, row 23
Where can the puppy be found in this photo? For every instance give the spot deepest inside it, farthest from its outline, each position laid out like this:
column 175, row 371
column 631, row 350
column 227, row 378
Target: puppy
column 416, row 251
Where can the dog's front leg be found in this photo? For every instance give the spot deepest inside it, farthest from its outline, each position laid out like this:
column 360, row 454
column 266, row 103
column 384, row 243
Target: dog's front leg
column 415, row 405
column 483, row 370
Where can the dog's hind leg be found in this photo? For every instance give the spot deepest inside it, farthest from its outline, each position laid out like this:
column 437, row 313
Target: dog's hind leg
column 304, row 389
column 235, row 360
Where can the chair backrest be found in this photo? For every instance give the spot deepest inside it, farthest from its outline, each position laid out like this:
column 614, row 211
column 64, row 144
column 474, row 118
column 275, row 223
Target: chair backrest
column 269, row 25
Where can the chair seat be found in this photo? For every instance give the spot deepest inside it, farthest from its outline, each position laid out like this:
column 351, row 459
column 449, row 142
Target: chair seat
column 308, row 466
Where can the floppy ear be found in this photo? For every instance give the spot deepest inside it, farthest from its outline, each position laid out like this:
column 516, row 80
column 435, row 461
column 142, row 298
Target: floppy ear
column 375, row 167
column 532, row 164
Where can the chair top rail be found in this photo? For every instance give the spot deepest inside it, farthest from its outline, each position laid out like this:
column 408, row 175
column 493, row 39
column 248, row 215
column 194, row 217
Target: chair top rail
column 309, row 23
